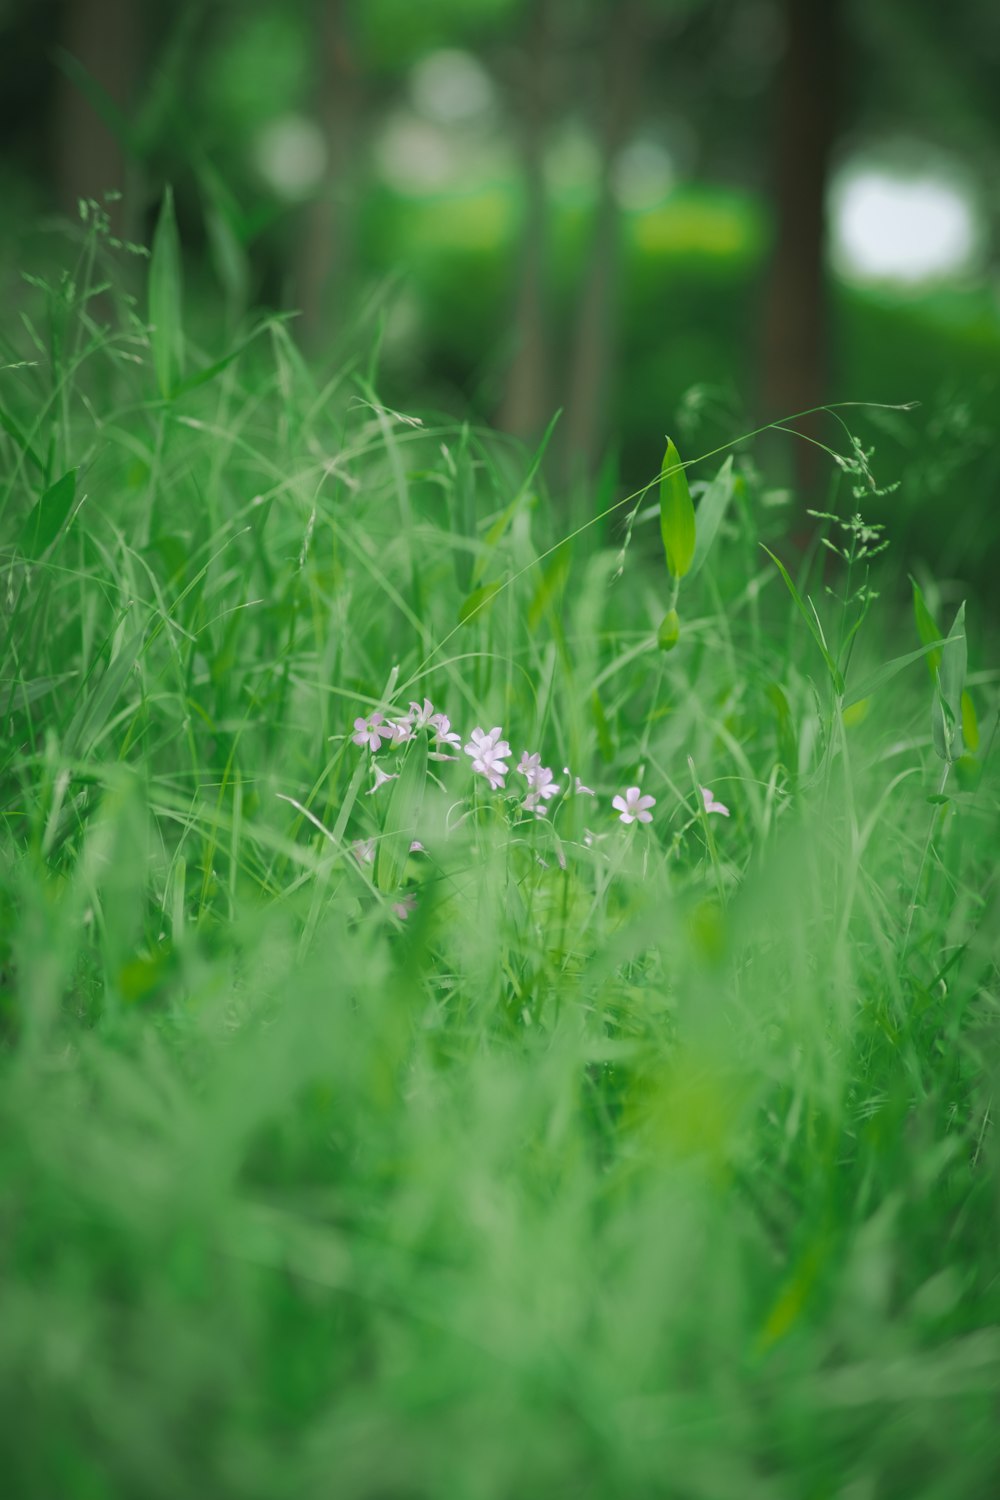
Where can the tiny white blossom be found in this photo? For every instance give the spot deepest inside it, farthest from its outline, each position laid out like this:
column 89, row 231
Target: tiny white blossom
column 633, row 807
column 579, row 789
column 370, row 732
column 364, row 851
column 711, row 806
column 400, row 730
column 421, row 715
column 381, row 777
column 443, row 732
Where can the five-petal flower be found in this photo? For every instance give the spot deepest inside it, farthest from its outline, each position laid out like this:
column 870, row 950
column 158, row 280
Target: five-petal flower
column 370, row 732
column 634, row 807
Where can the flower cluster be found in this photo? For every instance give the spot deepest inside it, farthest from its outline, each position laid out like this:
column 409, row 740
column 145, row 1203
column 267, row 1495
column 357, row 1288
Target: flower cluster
column 490, row 753
column 540, row 784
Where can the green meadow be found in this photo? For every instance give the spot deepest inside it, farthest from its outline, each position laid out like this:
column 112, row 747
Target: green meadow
column 631, row 1135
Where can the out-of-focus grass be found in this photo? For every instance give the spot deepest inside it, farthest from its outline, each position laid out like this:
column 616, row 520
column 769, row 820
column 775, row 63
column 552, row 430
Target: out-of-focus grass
column 650, row 1161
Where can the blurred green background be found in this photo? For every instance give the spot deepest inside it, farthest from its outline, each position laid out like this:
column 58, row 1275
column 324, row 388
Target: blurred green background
column 683, row 215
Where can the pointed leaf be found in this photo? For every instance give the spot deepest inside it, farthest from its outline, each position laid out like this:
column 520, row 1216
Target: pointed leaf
column 970, row 723
column 947, row 720
column 166, row 330
column 97, row 707
column 677, row 525
column 403, row 817
column 885, row 673
column 810, row 620
column 47, row 516
column 13, row 430
column 711, row 508
column 927, row 627
column 478, row 601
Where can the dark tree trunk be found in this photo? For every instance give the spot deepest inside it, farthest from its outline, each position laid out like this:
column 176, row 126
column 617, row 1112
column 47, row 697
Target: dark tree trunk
column 325, row 250
column 525, row 406
column 103, row 36
column 796, row 370
column 596, row 334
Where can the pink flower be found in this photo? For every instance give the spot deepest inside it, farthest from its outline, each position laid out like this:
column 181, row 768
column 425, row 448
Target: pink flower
column 488, row 752
column 422, row 715
column 400, row 730
column 542, row 788
column 711, row 806
column 370, row 732
column 528, row 765
column 364, row 851
column 444, row 735
column 633, row 807
column 404, row 906
column 381, row 777
column 578, row 787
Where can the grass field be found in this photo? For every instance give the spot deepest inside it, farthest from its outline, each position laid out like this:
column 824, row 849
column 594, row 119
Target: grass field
column 562, row 1155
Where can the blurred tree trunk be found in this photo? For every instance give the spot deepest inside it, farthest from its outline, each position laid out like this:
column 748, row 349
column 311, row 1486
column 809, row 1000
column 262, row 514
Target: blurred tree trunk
column 596, row 339
column 525, row 406
column 103, row 36
column 324, row 255
column 796, row 371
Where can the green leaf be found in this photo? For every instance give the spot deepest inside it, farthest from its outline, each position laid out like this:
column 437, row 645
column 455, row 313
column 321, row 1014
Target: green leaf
column 402, row 818
column 13, row 430
column 810, row 620
column 711, row 508
column 605, row 741
column 927, row 628
column 166, row 331
column 887, row 671
column 551, row 585
column 47, row 516
column 677, row 526
column 788, row 751
column 478, row 600
column 669, row 632
column 970, row 723
column 96, row 709
column 947, row 720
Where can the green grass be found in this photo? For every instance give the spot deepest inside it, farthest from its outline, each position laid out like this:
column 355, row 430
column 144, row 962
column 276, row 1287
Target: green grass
column 636, row 1161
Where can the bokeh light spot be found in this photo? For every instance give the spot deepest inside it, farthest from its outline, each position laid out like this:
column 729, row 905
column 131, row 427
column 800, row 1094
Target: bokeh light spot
column 887, row 227
column 290, row 155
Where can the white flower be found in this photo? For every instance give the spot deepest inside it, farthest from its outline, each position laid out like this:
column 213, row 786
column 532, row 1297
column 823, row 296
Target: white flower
column 364, row 851
column 539, row 779
column 493, row 742
column 421, row 716
column 444, row 734
column 579, row 790
column 711, row 806
column 542, row 788
column 381, row 777
column 633, row 807
column 370, row 732
column 488, row 752
column 400, row 730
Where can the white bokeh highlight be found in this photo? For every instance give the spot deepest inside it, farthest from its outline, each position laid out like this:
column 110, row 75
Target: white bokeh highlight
column 907, row 229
